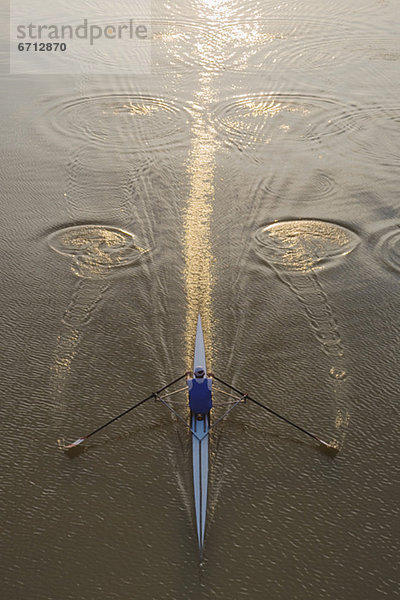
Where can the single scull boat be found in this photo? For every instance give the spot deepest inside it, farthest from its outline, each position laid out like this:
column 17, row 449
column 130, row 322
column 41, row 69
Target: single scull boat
column 200, row 429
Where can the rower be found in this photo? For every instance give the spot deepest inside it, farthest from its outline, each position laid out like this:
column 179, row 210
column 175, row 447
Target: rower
column 200, row 393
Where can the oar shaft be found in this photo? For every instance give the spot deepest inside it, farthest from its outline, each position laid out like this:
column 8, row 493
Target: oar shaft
column 119, row 416
column 153, row 395
column 270, row 410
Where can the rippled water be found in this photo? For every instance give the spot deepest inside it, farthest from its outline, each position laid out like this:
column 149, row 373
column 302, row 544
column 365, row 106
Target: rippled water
column 251, row 176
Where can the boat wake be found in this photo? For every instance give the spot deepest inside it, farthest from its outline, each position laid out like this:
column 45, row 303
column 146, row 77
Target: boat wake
column 296, row 250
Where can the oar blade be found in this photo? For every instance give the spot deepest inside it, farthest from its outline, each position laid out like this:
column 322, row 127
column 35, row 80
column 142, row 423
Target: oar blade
column 331, row 448
column 74, row 444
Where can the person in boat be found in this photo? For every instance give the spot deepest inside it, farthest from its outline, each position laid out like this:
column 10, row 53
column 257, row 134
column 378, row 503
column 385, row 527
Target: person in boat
column 200, row 392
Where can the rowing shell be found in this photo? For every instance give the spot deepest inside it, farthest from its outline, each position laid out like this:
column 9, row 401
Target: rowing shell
column 200, row 431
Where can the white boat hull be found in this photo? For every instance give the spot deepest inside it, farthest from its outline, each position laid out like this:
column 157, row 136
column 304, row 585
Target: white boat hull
column 200, row 430
column 200, row 475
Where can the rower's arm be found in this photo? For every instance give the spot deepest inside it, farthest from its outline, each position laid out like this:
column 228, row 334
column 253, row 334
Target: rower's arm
column 189, row 377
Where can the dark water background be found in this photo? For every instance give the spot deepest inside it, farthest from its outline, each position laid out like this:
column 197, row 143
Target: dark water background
column 128, row 204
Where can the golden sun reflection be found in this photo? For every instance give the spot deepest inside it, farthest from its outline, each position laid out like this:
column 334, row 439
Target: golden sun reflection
column 214, row 10
column 197, row 223
column 213, row 52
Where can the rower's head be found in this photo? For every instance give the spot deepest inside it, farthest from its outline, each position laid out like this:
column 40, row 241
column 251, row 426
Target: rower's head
column 199, row 372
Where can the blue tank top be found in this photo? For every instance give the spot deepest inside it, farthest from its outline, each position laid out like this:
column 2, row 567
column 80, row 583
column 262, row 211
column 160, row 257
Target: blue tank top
column 200, row 398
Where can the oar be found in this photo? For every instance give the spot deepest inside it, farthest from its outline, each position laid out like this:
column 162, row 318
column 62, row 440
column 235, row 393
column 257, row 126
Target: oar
column 153, row 395
column 312, row 435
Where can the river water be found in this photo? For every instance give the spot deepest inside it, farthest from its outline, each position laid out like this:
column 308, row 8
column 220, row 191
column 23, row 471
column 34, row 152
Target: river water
column 252, row 176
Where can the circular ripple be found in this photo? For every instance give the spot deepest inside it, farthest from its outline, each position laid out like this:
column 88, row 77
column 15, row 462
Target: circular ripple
column 121, row 122
column 253, row 120
column 304, row 244
column 96, row 249
column 319, row 185
column 389, row 248
column 309, row 52
column 377, row 134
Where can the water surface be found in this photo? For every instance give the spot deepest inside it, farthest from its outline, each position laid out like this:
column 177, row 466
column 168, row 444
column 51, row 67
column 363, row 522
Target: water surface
column 251, row 176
